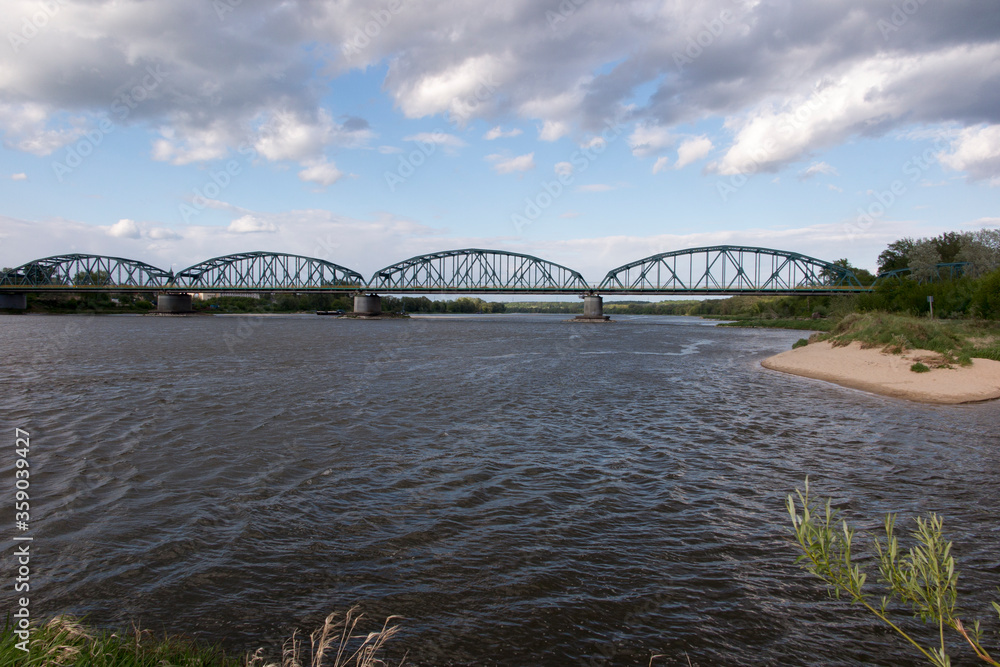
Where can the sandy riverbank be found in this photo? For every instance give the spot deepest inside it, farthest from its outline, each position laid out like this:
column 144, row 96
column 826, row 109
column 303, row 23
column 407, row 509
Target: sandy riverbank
column 890, row 374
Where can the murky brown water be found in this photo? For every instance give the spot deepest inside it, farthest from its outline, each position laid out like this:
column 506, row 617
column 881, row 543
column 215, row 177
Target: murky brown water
column 525, row 491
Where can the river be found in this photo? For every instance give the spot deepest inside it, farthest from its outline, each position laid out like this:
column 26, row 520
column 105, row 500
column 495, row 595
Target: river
column 520, row 489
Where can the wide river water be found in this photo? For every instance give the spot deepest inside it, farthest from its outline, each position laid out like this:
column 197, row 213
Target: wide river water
column 521, row 489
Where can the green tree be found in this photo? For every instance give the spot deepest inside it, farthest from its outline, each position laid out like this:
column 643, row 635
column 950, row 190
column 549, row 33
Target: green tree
column 949, row 245
column 91, row 278
column 896, row 256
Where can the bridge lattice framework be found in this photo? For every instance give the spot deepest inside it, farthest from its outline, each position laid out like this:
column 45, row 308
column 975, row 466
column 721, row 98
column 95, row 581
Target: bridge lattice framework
column 723, row 269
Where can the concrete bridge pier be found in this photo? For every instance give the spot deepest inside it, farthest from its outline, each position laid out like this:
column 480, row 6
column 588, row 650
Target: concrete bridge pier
column 367, row 305
column 173, row 303
column 593, row 309
column 15, row 301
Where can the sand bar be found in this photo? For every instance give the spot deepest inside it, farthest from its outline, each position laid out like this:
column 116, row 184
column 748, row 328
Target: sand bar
column 890, row 374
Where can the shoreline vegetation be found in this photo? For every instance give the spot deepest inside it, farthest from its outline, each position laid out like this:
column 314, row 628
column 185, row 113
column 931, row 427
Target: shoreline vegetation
column 917, row 359
column 65, row 640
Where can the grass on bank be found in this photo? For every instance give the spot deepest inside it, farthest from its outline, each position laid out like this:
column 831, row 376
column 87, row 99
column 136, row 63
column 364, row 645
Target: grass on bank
column 957, row 341
column 64, row 642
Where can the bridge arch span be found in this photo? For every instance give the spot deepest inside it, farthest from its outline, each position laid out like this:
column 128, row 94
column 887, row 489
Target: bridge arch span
column 78, row 271
column 260, row 271
column 475, row 270
column 941, row 271
column 730, row 269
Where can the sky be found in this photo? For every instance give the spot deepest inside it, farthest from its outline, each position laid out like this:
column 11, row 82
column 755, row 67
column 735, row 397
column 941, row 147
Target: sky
column 586, row 132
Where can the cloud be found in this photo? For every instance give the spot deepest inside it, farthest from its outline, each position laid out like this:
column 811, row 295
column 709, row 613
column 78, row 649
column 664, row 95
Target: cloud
column 553, row 130
column 595, row 187
column 389, row 150
column 321, row 172
column 785, row 81
column 506, row 166
column 649, row 140
column 163, row 234
column 691, row 150
column 834, row 188
column 983, row 223
column 866, row 97
column 976, row 150
column 819, row 168
column 249, row 224
column 661, row 164
column 125, row 229
column 498, row 133
column 19, row 177
column 33, row 127
column 563, row 168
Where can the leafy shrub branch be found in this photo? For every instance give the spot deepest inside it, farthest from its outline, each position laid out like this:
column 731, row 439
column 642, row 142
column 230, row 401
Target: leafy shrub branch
column 922, row 577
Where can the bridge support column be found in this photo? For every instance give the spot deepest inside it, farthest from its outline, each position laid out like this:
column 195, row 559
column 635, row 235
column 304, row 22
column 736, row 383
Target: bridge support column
column 368, row 305
column 593, row 309
column 18, row 301
column 173, row 303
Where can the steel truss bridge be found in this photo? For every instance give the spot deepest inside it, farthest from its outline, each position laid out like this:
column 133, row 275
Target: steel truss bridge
column 715, row 270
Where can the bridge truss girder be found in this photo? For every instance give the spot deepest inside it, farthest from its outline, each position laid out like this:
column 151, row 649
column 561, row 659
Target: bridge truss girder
column 727, row 269
column 477, row 271
column 268, row 272
column 78, row 272
column 952, row 269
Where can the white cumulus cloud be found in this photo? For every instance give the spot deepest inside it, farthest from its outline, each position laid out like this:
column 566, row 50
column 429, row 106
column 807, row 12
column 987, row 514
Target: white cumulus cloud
column 819, row 168
column 321, row 172
column 691, row 150
column 125, row 229
column 647, row 140
column 502, row 165
column 499, row 133
column 976, row 150
column 249, row 224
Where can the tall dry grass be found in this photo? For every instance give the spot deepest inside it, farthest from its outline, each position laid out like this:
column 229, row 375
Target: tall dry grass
column 339, row 639
column 64, row 641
